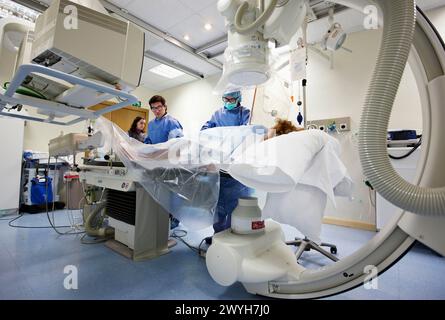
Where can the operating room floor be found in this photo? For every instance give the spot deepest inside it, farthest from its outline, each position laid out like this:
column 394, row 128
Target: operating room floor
column 32, row 263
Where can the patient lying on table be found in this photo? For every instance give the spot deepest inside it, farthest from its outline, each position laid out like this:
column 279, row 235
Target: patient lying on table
column 281, row 163
column 299, row 170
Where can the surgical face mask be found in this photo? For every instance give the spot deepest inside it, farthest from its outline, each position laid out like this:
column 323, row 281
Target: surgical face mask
column 230, row 106
column 230, row 103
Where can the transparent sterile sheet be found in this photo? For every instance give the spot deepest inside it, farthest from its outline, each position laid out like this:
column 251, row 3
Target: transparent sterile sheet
column 182, row 174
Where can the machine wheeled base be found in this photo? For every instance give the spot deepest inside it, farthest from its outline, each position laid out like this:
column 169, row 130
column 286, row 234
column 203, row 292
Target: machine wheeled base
column 307, row 244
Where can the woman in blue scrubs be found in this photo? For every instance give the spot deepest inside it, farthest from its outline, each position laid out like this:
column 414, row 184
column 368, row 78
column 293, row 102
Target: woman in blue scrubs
column 230, row 190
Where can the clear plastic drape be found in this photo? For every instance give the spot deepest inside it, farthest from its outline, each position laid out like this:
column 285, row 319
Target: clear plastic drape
column 182, row 174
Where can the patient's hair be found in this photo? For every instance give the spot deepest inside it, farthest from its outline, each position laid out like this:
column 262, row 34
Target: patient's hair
column 284, row 127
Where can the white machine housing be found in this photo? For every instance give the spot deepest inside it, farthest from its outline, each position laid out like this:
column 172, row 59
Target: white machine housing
column 101, row 47
column 251, row 258
column 247, row 54
column 72, row 143
column 74, row 57
column 16, row 37
column 148, row 236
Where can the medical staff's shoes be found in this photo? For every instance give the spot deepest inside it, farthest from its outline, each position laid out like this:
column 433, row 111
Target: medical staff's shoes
column 173, row 222
column 208, row 240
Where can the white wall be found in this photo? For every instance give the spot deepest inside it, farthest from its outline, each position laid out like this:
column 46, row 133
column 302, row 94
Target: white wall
column 11, row 131
column 37, row 135
column 144, row 95
column 193, row 103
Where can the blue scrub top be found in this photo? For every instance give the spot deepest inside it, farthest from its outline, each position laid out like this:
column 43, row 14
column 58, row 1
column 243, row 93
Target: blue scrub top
column 238, row 116
column 163, row 129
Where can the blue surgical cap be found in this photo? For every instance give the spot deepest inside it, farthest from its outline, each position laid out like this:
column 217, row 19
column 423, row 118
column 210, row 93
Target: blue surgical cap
column 234, row 94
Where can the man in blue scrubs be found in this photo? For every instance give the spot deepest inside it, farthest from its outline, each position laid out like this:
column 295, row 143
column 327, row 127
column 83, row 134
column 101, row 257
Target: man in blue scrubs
column 161, row 129
column 230, row 190
column 164, row 127
column 232, row 114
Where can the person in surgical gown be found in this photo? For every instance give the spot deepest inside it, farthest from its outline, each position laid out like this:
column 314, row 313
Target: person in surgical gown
column 164, row 127
column 231, row 114
column 161, row 129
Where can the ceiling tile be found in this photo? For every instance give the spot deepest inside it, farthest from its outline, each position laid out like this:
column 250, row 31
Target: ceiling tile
column 197, row 5
column 161, row 14
column 194, row 27
column 149, row 63
column 156, row 82
column 152, row 40
column 161, row 86
column 212, row 15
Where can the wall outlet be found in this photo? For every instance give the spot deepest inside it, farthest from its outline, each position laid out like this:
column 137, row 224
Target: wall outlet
column 311, row 126
column 340, row 124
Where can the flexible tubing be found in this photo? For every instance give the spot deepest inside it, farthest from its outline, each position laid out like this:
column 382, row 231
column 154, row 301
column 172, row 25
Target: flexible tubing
column 90, row 230
column 398, row 34
column 257, row 23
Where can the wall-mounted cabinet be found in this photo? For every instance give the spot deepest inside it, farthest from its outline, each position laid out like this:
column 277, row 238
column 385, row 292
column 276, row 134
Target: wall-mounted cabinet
column 123, row 117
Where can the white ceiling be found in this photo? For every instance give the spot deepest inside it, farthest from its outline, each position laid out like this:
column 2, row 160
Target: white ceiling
column 155, row 82
column 177, row 18
column 180, row 17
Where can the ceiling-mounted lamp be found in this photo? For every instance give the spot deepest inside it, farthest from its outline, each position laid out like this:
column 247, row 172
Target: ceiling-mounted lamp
column 334, row 38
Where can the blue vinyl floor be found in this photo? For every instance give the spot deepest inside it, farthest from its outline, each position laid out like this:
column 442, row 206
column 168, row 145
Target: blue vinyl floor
column 32, row 263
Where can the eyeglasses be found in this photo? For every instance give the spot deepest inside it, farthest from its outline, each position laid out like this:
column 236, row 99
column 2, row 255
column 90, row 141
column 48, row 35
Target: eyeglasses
column 156, row 108
column 231, row 100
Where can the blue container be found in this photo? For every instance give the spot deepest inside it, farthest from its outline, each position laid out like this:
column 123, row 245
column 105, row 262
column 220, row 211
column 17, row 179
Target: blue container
column 41, row 191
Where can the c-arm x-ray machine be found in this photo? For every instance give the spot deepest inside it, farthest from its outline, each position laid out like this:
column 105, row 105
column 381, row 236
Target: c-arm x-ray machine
column 66, row 78
column 261, row 261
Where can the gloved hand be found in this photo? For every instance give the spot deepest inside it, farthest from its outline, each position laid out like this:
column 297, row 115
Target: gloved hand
column 259, row 129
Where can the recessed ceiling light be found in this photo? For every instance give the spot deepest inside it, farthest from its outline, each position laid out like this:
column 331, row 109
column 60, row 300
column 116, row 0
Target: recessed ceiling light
column 166, row 71
column 186, row 37
column 208, row 26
